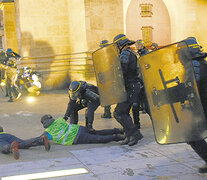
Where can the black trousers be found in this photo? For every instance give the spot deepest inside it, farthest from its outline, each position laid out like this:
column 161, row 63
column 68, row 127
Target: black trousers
column 102, row 136
column 121, row 112
column 200, row 147
column 91, row 107
column 23, row 144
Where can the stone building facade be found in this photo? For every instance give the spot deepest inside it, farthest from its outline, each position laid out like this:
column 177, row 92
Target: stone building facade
column 57, row 36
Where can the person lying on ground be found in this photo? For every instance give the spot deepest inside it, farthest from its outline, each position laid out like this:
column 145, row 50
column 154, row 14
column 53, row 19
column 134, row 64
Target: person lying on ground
column 60, row 132
column 11, row 144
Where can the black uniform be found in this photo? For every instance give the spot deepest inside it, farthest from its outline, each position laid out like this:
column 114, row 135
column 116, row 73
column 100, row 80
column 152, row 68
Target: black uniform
column 141, row 101
column 200, row 69
column 131, row 80
column 84, row 95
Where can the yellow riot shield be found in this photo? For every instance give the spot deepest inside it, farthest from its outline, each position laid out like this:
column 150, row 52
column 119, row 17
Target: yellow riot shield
column 172, row 93
column 109, row 75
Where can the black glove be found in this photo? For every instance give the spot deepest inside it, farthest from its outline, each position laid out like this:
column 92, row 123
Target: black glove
column 65, row 117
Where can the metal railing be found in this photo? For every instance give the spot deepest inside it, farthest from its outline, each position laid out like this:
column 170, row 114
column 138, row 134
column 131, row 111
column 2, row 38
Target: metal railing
column 75, row 64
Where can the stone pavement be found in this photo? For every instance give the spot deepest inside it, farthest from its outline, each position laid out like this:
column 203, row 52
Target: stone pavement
column 145, row 161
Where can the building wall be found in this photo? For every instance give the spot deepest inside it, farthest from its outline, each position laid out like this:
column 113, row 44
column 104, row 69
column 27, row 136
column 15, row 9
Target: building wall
column 188, row 18
column 9, row 25
column 47, row 28
column 44, row 27
column 104, row 20
column 160, row 21
column 77, row 27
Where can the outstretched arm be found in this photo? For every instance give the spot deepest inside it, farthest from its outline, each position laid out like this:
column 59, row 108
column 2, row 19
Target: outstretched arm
column 70, row 109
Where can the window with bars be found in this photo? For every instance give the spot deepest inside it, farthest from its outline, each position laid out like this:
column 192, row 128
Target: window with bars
column 146, row 10
column 147, row 35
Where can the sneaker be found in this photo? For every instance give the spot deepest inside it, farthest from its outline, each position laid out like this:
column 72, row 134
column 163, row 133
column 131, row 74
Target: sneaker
column 15, row 150
column 46, row 143
column 203, row 169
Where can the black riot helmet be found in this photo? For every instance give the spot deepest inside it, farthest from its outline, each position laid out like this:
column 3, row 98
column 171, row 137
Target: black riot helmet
column 154, row 46
column 194, row 48
column 75, row 88
column 1, row 129
column 104, row 43
column 9, row 52
column 139, row 44
column 121, row 40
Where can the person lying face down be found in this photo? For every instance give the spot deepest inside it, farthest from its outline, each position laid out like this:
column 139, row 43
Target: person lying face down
column 11, row 144
column 60, row 132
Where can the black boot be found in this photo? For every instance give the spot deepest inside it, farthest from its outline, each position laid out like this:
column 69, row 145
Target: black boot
column 11, row 99
column 203, row 169
column 136, row 136
column 90, row 128
column 107, row 112
column 125, row 141
column 200, row 147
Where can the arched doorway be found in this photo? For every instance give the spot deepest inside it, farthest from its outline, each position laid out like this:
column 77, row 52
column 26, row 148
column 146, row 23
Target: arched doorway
column 148, row 21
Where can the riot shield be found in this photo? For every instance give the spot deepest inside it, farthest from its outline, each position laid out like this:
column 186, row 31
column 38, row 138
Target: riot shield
column 109, row 75
column 175, row 106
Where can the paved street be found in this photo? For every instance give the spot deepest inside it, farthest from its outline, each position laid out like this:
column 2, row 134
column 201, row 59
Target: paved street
column 145, row 161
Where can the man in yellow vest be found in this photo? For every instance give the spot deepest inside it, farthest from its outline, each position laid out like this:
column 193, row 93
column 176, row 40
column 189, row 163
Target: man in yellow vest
column 60, row 132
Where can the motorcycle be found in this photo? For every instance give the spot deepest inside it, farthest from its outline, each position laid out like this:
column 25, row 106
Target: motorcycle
column 29, row 80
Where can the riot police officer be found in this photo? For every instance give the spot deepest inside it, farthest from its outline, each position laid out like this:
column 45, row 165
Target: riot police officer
column 107, row 109
column 11, row 74
column 154, row 46
column 141, row 102
column 82, row 95
column 200, row 70
column 11, row 54
column 141, row 49
column 128, row 61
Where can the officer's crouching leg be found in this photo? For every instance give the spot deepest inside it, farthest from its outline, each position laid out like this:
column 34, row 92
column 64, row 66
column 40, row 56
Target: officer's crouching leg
column 132, row 134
